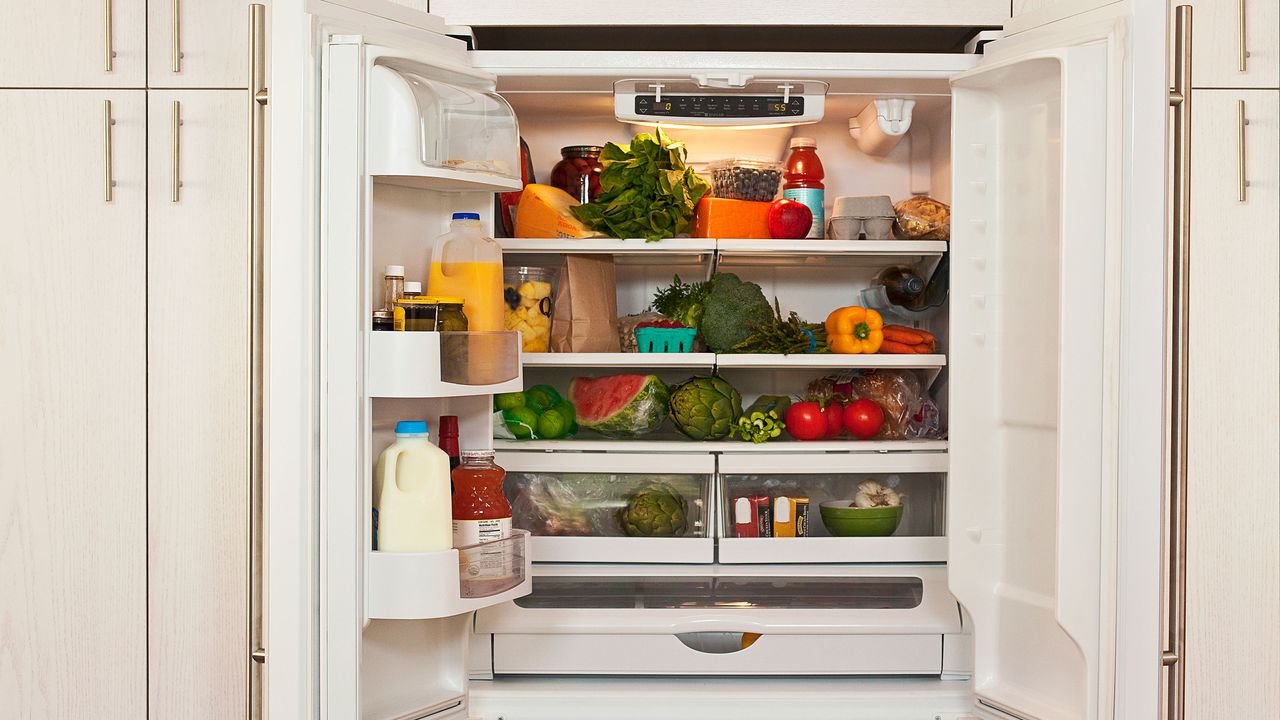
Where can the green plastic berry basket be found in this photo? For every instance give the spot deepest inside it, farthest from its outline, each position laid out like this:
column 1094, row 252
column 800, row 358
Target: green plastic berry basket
column 665, row 340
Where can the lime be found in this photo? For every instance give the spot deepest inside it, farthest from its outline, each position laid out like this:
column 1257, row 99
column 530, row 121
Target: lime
column 542, row 397
column 521, row 421
column 508, row 401
column 557, row 422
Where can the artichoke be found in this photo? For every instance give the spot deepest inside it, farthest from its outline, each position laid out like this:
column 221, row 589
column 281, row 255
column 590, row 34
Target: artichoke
column 705, row 408
column 655, row 510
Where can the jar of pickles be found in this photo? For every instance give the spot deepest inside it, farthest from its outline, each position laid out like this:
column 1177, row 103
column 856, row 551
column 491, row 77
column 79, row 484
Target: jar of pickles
column 528, row 293
column 414, row 314
column 578, row 172
column 449, row 315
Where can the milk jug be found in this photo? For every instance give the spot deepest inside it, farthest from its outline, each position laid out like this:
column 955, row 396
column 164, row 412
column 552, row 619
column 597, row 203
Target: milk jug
column 411, row 497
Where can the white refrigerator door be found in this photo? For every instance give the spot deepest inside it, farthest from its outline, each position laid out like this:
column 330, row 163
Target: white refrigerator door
column 1044, row 136
column 373, row 669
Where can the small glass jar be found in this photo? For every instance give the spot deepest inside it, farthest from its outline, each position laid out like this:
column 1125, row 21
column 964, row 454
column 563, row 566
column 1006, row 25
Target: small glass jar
column 449, row 314
column 414, row 315
column 578, row 172
column 383, row 320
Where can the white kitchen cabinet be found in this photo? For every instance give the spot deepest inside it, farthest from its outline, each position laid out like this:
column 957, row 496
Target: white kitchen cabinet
column 65, row 43
column 1218, row 45
column 974, row 13
column 197, row 399
column 206, row 47
column 1233, row 500
column 73, row 418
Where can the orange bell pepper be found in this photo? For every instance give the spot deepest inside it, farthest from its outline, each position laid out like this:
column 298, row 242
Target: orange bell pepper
column 854, row 330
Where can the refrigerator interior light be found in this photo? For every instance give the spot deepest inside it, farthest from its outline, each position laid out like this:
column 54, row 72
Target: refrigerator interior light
column 722, row 102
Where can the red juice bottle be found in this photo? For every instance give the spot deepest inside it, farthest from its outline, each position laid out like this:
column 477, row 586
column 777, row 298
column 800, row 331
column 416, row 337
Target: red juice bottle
column 804, row 180
column 481, row 514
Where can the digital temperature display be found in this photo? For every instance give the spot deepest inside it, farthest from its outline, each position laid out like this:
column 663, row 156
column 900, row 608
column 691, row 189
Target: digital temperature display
column 719, row 106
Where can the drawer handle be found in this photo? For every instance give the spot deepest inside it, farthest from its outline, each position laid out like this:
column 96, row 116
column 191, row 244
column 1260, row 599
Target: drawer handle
column 175, row 49
column 1242, row 180
column 718, row 643
column 1242, row 61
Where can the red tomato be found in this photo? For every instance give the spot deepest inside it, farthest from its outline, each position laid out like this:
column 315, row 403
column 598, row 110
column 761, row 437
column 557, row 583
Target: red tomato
column 863, row 418
column 835, row 422
column 806, row 421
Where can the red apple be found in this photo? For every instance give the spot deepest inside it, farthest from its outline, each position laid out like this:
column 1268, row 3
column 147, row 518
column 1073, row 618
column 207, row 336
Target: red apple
column 789, row 219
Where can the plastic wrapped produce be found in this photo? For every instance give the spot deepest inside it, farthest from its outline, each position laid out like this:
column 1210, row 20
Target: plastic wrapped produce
column 909, row 412
column 607, row 505
column 923, row 218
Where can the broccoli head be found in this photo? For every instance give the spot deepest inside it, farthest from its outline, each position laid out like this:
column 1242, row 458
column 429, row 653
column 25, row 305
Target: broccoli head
column 732, row 311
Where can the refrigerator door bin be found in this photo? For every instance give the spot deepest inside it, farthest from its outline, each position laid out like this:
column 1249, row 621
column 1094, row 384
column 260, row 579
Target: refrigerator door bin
column 433, row 128
column 919, row 481
column 443, row 364
column 405, row 586
column 613, row 507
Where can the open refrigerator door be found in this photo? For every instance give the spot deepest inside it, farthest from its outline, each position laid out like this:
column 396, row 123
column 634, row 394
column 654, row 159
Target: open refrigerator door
column 1043, row 129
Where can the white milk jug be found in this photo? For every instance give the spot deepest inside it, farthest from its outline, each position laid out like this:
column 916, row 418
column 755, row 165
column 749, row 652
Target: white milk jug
column 414, row 508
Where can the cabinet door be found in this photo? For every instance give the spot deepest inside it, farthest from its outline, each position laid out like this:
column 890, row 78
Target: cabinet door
column 205, row 47
column 1223, row 31
column 1233, row 500
column 197, row 384
column 65, row 43
column 73, row 418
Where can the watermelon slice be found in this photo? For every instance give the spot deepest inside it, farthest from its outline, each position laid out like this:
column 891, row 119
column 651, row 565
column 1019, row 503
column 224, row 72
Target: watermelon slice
column 620, row 406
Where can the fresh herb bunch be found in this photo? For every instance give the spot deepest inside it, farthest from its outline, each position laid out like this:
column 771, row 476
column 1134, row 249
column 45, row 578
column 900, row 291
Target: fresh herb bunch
column 785, row 337
column 646, row 190
column 681, row 301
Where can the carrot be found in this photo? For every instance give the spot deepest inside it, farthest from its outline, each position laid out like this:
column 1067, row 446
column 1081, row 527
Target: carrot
column 896, row 348
column 900, row 334
column 924, row 348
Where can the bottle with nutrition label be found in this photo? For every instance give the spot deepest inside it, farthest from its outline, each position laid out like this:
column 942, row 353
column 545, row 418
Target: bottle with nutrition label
column 803, row 180
column 481, row 514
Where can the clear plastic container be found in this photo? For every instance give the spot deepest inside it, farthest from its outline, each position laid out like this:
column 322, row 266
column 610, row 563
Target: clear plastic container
column 528, row 300
column 467, row 264
column 745, row 179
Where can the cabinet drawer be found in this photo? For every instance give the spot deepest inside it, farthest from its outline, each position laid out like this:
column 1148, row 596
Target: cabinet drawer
column 584, row 507
column 713, row 653
column 918, row 479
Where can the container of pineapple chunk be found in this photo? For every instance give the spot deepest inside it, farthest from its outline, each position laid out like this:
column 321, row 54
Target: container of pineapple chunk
column 528, row 293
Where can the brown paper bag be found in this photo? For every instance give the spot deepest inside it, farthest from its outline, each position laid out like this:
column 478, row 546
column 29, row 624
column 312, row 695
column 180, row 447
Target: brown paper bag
column 585, row 316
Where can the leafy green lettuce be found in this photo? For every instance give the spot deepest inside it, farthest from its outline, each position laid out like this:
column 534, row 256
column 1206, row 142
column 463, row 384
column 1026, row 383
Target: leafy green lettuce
column 646, row 190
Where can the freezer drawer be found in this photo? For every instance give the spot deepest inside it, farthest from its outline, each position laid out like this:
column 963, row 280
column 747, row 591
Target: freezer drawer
column 717, row 654
column 918, row 479
column 617, row 507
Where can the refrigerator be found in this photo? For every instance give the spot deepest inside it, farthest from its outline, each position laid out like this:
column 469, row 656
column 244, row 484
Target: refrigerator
column 1023, row 580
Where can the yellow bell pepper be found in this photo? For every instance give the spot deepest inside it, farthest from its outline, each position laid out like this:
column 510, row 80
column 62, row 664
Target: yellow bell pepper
column 854, row 330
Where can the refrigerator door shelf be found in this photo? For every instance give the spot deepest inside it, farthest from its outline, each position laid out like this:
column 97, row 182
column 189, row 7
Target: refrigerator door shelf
column 446, row 364
column 415, row 586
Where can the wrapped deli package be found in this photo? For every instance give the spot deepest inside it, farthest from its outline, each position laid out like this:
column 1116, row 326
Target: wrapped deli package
column 923, row 218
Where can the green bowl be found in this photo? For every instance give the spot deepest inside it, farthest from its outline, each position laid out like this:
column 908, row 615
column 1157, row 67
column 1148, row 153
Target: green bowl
column 844, row 521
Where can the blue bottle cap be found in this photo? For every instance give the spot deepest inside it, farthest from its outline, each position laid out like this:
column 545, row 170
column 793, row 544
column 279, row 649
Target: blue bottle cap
column 466, row 216
column 411, row 427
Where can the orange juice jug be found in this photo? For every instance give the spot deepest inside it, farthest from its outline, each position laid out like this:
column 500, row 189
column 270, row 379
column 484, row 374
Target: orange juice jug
column 467, row 264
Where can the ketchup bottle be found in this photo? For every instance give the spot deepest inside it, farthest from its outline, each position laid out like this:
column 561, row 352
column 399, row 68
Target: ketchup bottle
column 804, row 180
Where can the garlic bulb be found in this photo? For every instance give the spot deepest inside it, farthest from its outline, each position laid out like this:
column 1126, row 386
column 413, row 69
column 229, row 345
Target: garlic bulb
column 873, row 494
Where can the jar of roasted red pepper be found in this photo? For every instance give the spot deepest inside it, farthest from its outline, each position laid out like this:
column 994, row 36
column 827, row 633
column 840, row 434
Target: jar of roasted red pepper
column 578, row 172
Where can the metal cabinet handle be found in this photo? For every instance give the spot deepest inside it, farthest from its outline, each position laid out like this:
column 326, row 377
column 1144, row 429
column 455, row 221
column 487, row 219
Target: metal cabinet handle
column 1177, row 310
column 108, row 173
column 175, row 52
column 106, row 28
column 1243, row 59
column 176, row 151
column 1241, row 181
column 257, row 101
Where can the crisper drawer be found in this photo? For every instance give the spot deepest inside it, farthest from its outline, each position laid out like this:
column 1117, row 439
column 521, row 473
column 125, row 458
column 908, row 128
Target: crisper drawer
column 717, row 654
column 725, row 620
column 613, row 508
column 755, row 490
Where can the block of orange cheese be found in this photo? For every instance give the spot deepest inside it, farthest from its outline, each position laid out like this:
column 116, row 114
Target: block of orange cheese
column 726, row 218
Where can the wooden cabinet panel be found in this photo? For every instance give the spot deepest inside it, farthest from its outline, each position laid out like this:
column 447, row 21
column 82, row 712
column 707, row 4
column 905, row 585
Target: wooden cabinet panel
column 73, row 418
column 1216, row 43
column 197, row 430
column 1233, row 532
column 212, row 38
column 63, row 43
column 973, row 13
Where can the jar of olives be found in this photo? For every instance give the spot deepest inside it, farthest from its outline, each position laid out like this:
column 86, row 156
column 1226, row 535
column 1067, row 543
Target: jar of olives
column 578, row 172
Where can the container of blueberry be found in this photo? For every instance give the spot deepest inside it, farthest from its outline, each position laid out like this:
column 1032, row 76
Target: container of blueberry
column 744, row 179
